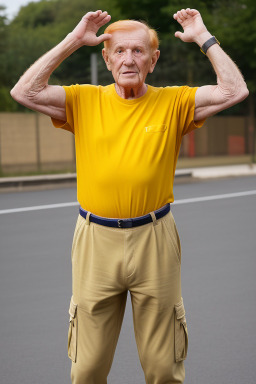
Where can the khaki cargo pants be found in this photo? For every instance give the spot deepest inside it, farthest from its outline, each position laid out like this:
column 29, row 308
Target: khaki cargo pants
column 106, row 263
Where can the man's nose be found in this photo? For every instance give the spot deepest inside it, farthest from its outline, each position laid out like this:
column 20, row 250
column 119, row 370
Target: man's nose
column 128, row 59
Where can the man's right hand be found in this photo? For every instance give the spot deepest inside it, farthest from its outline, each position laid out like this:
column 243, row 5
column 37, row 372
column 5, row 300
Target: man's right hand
column 33, row 90
column 86, row 31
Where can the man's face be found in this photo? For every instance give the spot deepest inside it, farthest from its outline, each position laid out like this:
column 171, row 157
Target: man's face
column 130, row 57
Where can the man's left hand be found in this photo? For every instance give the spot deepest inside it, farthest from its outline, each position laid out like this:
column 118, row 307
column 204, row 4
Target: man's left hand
column 193, row 26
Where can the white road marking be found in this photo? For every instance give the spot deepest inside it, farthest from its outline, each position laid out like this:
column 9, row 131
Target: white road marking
column 214, row 197
column 176, row 202
column 38, row 208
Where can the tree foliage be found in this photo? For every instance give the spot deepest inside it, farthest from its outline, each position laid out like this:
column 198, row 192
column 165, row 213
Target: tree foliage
column 40, row 26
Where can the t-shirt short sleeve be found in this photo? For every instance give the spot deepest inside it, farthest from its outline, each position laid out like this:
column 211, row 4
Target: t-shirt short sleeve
column 186, row 106
column 71, row 105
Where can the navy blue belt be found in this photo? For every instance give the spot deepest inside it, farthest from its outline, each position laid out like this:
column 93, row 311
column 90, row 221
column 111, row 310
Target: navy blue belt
column 126, row 223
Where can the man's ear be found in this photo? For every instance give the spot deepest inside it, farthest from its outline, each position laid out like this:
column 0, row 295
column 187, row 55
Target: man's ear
column 154, row 59
column 106, row 58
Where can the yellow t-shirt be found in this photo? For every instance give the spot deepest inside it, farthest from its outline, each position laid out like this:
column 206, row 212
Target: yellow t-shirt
column 126, row 150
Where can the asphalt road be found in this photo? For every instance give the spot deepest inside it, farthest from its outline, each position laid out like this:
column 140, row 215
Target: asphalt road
column 218, row 240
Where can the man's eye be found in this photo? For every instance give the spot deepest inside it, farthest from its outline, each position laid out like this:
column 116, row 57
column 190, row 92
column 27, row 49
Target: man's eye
column 138, row 50
column 119, row 51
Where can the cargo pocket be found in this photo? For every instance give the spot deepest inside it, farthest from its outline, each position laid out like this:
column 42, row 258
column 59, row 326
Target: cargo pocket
column 72, row 332
column 181, row 332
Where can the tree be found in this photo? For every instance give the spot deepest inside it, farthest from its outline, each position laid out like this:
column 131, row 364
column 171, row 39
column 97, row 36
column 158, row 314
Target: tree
column 41, row 25
column 4, row 80
column 36, row 29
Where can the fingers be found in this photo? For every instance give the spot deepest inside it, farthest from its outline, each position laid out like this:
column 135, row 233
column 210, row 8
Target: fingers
column 181, row 16
column 92, row 15
column 184, row 14
column 100, row 18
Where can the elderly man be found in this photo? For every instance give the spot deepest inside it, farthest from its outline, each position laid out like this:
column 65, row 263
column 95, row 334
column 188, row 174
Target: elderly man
column 128, row 136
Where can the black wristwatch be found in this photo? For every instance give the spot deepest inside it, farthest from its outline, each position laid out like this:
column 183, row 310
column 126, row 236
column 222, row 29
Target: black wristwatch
column 208, row 44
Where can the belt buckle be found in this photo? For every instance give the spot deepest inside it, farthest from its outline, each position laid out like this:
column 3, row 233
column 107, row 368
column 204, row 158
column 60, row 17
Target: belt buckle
column 121, row 223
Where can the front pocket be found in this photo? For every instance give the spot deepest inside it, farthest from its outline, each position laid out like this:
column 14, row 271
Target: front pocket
column 72, row 332
column 181, row 332
column 79, row 225
column 173, row 235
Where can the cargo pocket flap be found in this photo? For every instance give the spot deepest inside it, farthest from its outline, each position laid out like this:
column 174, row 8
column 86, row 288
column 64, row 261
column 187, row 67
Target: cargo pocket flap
column 181, row 332
column 72, row 332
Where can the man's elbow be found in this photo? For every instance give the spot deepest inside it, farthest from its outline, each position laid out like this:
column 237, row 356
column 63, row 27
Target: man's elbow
column 16, row 94
column 244, row 92
column 13, row 93
column 19, row 95
column 241, row 93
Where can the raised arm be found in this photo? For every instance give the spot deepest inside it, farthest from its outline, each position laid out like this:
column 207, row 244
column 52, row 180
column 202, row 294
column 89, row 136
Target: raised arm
column 231, row 87
column 33, row 90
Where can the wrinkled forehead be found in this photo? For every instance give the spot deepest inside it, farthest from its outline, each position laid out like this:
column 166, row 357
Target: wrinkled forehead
column 136, row 37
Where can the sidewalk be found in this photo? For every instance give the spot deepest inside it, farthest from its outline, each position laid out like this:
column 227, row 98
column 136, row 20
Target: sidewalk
column 223, row 171
column 7, row 183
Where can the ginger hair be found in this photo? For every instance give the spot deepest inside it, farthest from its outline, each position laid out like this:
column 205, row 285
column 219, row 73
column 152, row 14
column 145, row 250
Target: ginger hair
column 130, row 25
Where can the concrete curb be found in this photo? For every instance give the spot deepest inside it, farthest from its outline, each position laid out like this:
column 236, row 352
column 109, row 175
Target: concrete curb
column 23, row 181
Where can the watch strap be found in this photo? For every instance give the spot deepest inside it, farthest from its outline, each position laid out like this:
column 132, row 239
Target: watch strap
column 208, row 44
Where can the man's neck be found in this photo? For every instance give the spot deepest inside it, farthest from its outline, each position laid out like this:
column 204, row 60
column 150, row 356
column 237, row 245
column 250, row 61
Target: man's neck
column 131, row 93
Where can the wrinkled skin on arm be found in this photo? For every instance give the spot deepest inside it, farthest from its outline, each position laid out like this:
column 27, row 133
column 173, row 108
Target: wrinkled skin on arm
column 231, row 87
column 33, row 90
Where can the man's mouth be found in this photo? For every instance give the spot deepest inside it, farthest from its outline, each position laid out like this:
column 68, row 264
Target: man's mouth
column 128, row 72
